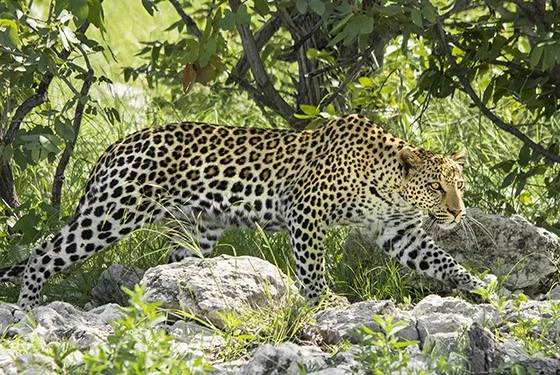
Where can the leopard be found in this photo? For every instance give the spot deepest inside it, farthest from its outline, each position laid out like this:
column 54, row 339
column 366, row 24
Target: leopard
column 349, row 172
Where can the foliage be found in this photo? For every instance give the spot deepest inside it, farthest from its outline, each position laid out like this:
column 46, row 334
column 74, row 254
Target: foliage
column 387, row 60
column 381, row 352
column 396, row 61
column 538, row 336
column 140, row 345
column 38, row 49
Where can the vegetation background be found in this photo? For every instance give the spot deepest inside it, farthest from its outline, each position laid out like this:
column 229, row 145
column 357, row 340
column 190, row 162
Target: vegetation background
column 75, row 75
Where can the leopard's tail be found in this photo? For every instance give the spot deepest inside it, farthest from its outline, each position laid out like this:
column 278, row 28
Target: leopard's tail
column 14, row 272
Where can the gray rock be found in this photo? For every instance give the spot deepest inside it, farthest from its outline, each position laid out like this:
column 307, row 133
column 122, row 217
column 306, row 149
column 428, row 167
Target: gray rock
column 332, row 371
column 109, row 286
column 287, row 358
column 538, row 312
column 541, row 366
column 484, row 352
column 194, row 339
column 60, row 320
column 555, row 293
column 506, row 245
column 228, row 368
column 9, row 314
column 483, row 314
column 343, row 323
column 7, row 364
column 207, row 288
column 33, row 364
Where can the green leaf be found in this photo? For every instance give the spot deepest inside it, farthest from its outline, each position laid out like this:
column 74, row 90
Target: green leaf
column 344, row 8
column 262, row 8
column 95, row 14
column 524, row 155
column 549, row 57
column 509, row 179
column 301, row 6
column 416, row 17
column 505, row 165
column 228, row 21
column 150, row 6
column 535, row 55
column 9, row 34
column 63, row 128
column 78, row 8
column 309, row 110
column 241, row 16
column 365, row 81
column 429, row 12
column 317, row 6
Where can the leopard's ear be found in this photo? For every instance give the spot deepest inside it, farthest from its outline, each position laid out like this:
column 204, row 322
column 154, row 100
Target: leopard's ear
column 460, row 156
column 409, row 159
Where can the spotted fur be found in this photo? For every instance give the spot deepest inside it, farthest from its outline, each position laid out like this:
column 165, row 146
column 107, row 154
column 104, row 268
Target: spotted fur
column 349, row 172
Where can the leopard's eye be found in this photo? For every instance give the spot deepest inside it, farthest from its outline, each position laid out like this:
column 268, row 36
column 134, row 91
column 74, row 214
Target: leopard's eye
column 460, row 185
column 435, row 186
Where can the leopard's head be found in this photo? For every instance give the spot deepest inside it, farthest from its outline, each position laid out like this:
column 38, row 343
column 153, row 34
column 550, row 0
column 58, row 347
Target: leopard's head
column 434, row 183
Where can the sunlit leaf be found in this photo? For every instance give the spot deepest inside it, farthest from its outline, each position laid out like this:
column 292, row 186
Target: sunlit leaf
column 9, row 34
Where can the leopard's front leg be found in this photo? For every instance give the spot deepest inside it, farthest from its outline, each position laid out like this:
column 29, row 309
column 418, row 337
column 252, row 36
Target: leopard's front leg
column 405, row 240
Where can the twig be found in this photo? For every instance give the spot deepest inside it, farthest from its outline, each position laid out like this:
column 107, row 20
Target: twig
column 262, row 36
column 327, row 69
column 191, row 25
column 355, row 69
column 482, row 107
column 76, row 123
column 14, row 53
column 263, row 82
column 38, row 98
column 304, row 38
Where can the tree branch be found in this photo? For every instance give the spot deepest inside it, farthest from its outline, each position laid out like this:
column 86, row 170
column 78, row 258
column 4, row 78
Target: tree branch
column 7, row 191
column 76, row 123
column 263, row 82
column 262, row 36
column 191, row 25
column 355, row 69
column 468, row 89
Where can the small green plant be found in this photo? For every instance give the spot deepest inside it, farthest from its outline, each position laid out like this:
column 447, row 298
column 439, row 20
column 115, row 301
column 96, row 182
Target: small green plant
column 539, row 337
column 139, row 344
column 381, row 352
column 256, row 327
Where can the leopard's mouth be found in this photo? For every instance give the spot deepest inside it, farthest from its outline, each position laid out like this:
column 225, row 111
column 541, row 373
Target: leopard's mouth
column 444, row 222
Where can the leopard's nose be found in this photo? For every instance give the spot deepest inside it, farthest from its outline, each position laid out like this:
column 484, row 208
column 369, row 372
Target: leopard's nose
column 453, row 211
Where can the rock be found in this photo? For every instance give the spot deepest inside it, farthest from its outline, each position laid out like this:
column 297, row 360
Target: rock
column 506, row 245
column 541, row 366
column 109, row 286
column 555, row 293
column 287, row 358
column 33, row 364
column 194, row 339
column 338, row 324
column 209, row 287
column 7, row 364
column 483, row 353
column 60, row 320
column 484, row 314
column 538, row 312
column 441, row 322
column 9, row 314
